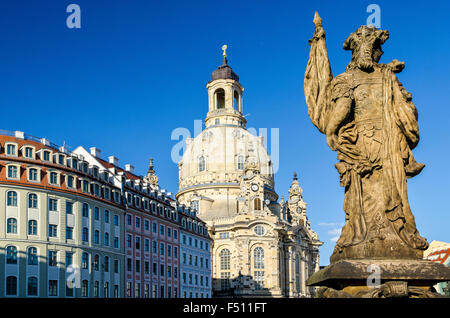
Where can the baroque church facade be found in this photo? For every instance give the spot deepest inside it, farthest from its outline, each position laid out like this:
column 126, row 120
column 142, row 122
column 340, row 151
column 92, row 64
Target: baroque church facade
column 262, row 246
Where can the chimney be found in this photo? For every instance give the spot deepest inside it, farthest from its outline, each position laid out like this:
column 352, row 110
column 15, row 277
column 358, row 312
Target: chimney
column 113, row 160
column 129, row 168
column 95, row 152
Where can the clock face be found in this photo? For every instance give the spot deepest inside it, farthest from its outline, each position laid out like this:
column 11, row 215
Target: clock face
column 255, row 187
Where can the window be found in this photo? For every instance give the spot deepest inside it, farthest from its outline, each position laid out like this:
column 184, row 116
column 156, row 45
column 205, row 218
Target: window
column 258, row 255
column 96, row 237
column 96, row 213
column 116, row 220
column 259, row 280
column 74, row 163
column 52, row 230
column 11, row 286
column 52, row 260
column 52, row 204
column 11, row 198
column 70, row 182
column 138, row 266
column 32, row 174
column 224, row 259
column 236, row 100
column 84, row 288
column 11, row 226
column 11, row 150
column 32, row 286
column 32, row 227
column 116, row 266
column 138, row 242
column 69, row 259
column 146, row 245
column 85, row 186
column 69, row 233
column 201, row 164
column 147, row 225
column 53, row 178
column 257, row 204
column 46, row 155
column 154, row 227
column 116, row 242
column 220, row 98
column 85, row 210
column 129, row 219
column 96, row 289
column 106, row 216
column 106, row 239
column 69, row 207
column 137, row 222
column 161, row 248
column 154, row 247
column 240, row 163
column 85, row 260
column 106, row 264
column 96, row 262
column 85, row 234
column 129, row 241
column 161, row 229
column 259, row 230
column 11, row 255
column 12, row 172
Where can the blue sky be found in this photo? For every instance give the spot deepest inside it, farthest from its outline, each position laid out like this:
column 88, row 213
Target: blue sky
column 138, row 69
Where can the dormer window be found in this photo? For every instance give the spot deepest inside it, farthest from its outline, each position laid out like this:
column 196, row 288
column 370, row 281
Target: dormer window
column 28, row 152
column 74, row 163
column 46, row 155
column 53, row 178
column 61, row 159
column 11, row 150
column 13, row 172
column 95, row 172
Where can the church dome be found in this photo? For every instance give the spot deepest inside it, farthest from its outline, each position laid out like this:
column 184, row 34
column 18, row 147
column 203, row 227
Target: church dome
column 215, row 161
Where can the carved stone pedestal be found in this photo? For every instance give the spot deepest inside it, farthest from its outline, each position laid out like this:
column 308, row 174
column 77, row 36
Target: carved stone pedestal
column 379, row 279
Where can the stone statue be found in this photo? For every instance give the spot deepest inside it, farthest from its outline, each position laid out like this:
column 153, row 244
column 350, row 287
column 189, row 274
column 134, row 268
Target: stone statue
column 370, row 121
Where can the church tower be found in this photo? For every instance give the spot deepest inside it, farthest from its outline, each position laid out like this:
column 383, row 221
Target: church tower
column 226, row 176
column 225, row 97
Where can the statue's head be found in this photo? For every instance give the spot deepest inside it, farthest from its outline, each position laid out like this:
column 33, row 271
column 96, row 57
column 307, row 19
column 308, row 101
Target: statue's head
column 365, row 44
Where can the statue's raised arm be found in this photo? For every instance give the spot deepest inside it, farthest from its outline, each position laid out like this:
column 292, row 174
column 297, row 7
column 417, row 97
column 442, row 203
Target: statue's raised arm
column 318, row 77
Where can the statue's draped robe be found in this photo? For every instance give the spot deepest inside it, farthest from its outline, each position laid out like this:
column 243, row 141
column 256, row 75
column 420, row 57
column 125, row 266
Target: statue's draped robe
column 400, row 133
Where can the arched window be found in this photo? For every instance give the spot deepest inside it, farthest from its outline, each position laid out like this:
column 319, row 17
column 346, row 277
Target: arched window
column 240, row 162
column 236, row 100
column 258, row 256
column 32, row 286
column 32, row 256
column 220, row 98
column 11, row 286
column 11, row 226
column 11, row 255
column 11, row 198
column 32, row 227
column 257, row 204
column 32, row 201
column 201, row 164
column 106, row 264
column 96, row 262
column 225, row 259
